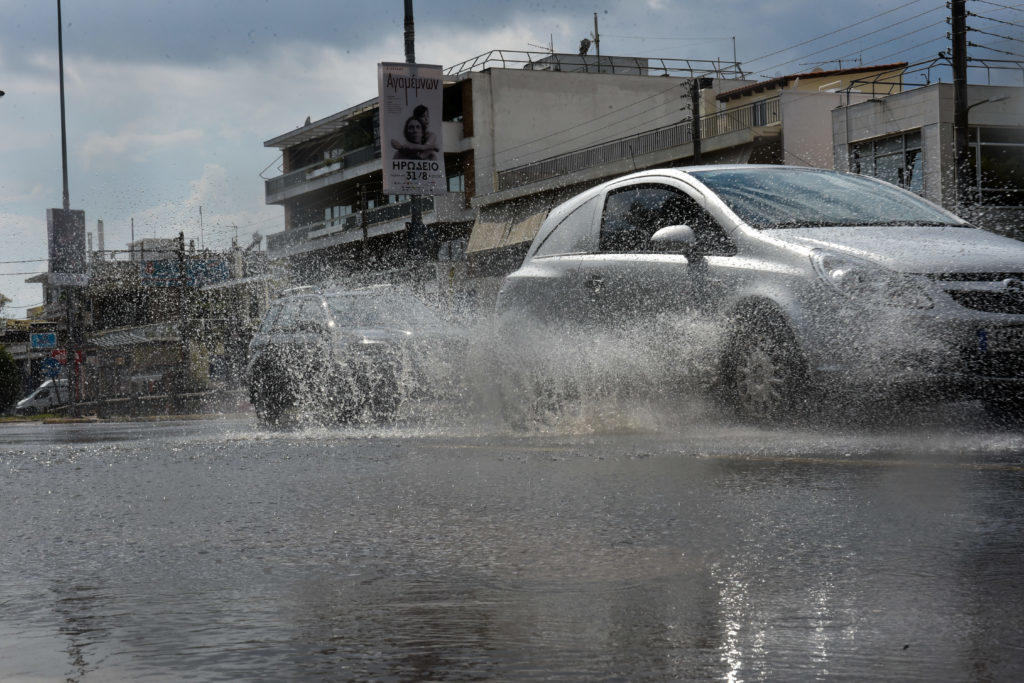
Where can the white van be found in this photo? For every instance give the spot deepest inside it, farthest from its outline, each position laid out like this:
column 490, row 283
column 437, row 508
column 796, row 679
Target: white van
column 49, row 394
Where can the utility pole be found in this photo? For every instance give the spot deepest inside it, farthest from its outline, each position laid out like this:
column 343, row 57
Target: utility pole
column 597, row 44
column 696, row 85
column 63, row 121
column 961, row 133
column 182, row 352
column 415, row 233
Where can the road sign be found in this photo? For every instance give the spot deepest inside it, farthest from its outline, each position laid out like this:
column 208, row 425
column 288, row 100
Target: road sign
column 43, row 340
column 51, row 367
column 60, row 355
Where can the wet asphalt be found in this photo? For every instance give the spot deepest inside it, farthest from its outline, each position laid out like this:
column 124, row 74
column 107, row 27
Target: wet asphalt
column 643, row 549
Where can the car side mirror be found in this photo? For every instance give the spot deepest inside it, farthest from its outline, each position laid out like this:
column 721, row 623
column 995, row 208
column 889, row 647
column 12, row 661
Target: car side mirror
column 678, row 239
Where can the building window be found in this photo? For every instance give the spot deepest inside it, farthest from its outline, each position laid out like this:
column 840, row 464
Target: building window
column 759, row 113
column 896, row 159
column 398, row 198
column 997, row 155
column 457, row 183
column 333, row 214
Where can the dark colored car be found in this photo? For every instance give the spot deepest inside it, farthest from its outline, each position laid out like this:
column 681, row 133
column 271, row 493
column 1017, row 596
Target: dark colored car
column 349, row 355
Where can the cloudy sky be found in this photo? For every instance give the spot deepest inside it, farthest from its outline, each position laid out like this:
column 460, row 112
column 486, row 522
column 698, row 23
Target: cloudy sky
column 169, row 101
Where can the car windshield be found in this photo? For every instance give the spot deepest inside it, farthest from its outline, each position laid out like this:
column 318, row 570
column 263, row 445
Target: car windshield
column 352, row 310
column 800, row 198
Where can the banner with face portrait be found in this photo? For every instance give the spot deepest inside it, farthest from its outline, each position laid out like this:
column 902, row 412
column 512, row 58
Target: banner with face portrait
column 412, row 155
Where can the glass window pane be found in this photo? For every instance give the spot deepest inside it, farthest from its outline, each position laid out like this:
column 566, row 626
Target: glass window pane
column 576, row 234
column 770, row 198
column 1002, row 167
column 913, row 175
column 889, row 145
column 1010, row 135
column 912, row 140
column 890, row 168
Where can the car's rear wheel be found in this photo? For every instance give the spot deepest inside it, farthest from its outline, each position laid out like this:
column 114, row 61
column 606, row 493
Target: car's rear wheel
column 766, row 372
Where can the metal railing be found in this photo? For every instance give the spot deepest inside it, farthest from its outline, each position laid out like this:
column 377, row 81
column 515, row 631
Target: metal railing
column 353, row 222
column 548, row 61
column 762, row 113
column 321, row 168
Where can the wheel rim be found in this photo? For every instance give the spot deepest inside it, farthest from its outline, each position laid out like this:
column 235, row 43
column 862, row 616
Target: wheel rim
column 760, row 381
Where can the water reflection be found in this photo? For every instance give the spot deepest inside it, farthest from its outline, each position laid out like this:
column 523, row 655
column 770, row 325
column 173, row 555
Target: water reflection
column 735, row 554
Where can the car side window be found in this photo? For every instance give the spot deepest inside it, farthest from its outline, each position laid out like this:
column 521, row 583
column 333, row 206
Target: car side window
column 304, row 315
column 633, row 214
column 576, row 234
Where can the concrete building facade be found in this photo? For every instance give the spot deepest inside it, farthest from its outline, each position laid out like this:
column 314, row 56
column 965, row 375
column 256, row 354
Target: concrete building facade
column 907, row 139
column 501, row 113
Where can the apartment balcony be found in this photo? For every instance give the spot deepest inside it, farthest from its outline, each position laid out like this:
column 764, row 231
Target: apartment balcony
column 322, row 174
column 381, row 220
column 719, row 131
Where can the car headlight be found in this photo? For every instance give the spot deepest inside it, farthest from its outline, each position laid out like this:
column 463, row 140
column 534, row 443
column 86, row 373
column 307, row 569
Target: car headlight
column 869, row 283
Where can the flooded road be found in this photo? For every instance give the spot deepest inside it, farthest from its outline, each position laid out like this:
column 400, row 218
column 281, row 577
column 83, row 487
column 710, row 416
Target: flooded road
column 212, row 550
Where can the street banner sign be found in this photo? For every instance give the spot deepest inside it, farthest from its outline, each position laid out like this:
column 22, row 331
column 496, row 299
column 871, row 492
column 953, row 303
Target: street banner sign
column 412, row 154
column 43, row 340
column 50, row 368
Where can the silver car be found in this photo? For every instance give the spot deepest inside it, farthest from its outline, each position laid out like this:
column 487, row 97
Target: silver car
column 807, row 280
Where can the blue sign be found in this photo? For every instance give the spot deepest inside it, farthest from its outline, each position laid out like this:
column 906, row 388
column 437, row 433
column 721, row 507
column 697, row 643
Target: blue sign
column 51, row 367
column 43, row 340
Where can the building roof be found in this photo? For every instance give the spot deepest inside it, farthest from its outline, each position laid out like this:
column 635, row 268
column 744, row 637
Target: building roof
column 783, row 81
column 318, row 129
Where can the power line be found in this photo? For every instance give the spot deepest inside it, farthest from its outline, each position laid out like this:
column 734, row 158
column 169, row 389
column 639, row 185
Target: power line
column 863, row 35
column 832, row 33
column 892, row 40
column 674, row 38
column 912, row 47
column 1015, row 8
column 31, row 260
column 675, row 87
column 986, row 47
column 998, row 21
column 994, row 35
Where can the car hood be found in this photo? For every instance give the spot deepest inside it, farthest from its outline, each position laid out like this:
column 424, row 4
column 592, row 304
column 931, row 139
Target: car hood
column 916, row 249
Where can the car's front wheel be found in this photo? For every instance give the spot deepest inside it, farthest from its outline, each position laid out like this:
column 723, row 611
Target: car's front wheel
column 765, row 373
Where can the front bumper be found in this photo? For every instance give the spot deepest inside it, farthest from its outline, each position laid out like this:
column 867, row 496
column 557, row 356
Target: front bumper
column 968, row 354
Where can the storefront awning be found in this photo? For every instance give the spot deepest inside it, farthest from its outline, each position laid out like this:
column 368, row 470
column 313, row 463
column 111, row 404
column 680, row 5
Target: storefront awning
column 495, row 231
column 134, row 336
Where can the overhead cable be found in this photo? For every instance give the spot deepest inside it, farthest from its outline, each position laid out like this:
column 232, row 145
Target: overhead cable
column 856, row 38
column 1015, row 8
column 986, row 47
column 994, row 35
column 998, row 21
column 831, row 33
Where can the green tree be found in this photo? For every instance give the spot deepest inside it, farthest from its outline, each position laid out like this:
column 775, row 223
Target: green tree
column 10, row 380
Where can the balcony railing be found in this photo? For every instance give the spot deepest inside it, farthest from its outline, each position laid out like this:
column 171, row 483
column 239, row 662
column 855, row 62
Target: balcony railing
column 280, row 241
column 321, row 168
column 570, row 62
column 761, row 113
